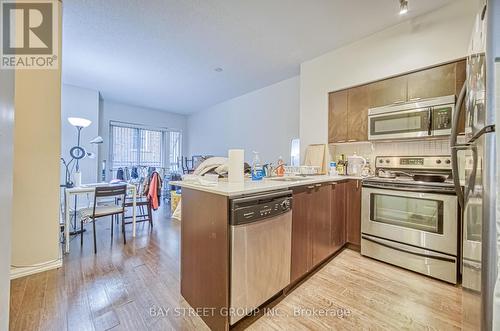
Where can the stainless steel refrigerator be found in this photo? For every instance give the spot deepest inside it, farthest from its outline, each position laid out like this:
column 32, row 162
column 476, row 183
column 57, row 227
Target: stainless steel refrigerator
column 478, row 198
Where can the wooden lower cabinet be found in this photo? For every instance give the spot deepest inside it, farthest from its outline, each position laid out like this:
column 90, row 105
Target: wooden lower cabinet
column 301, row 243
column 338, row 217
column 353, row 212
column 318, row 224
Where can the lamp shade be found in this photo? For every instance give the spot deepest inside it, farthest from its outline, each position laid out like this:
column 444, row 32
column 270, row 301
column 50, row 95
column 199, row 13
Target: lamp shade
column 97, row 140
column 79, row 122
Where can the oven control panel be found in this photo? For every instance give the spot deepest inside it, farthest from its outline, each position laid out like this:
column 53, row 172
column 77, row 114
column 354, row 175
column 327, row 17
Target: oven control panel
column 441, row 162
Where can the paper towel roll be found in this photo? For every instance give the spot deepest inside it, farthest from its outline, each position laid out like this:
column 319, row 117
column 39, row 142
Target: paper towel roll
column 236, row 160
column 77, row 179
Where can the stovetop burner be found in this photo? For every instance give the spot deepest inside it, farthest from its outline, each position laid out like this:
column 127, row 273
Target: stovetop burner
column 409, row 181
column 401, row 167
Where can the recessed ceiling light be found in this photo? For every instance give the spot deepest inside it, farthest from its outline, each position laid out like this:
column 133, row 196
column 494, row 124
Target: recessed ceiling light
column 403, row 7
column 218, row 69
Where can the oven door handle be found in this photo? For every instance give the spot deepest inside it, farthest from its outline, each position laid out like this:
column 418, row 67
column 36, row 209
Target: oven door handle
column 413, row 189
column 408, row 249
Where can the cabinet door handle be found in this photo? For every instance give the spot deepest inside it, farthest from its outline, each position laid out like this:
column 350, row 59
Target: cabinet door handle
column 333, row 184
column 341, row 141
column 318, row 185
column 357, row 184
column 415, row 99
column 398, row 102
column 351, row 140
column 310, row 187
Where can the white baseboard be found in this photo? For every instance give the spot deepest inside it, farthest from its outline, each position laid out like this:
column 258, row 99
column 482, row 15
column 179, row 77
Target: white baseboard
column 17, row 272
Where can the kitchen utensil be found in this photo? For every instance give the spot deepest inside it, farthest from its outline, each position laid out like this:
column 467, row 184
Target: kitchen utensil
column 418, row 177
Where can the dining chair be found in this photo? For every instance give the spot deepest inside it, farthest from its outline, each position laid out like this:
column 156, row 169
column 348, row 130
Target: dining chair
column 99, row 210
column 143, row 203
column 146, row 215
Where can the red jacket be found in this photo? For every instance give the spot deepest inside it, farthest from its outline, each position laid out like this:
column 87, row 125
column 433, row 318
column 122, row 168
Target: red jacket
column 153, row 191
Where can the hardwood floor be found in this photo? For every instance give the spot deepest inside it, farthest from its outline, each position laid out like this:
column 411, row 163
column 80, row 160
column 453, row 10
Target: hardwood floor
column 132, row 287
column 371, row 295
column 114, row 289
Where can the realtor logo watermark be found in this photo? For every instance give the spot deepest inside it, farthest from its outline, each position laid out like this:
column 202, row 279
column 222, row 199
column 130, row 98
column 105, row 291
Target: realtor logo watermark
column 29, row 34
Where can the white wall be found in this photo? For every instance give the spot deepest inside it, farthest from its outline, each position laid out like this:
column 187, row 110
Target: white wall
column 265, row 120
column 80, row 102
column 115, row 111
column 6, row 178
column 37, row 149
column 434, row 38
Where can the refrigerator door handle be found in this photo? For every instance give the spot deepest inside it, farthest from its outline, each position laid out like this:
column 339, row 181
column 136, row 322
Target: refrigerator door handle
column 455, row 148
column 472, row 179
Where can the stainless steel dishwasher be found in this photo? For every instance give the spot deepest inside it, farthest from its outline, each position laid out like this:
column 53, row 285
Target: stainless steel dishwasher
column 261, row 240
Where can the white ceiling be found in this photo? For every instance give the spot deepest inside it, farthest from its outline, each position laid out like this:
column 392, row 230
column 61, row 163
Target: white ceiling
column 162, row 53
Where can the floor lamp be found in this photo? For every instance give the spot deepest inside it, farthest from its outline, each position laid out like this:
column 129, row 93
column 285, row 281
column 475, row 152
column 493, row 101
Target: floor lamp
column 77, row 153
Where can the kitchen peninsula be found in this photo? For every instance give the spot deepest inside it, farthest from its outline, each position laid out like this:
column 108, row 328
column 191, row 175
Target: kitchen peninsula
column 324, row 217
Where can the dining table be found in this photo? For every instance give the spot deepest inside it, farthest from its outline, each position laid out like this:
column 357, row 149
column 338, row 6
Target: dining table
column 85, row 189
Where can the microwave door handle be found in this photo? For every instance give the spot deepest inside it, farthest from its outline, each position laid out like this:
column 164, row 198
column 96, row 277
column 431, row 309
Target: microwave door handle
column 429, row 121
column 455, row 147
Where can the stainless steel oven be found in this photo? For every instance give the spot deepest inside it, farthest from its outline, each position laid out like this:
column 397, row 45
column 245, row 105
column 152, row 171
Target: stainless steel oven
column 409, row 223
column 424, row 118
column 424, row 220
column 414, row 230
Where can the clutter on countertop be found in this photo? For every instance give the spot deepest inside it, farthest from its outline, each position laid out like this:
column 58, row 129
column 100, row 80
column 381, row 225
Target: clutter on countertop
column 280, row 169
column 236, row 165
column 317, row 156
column 355, row 165
column 257, row 169
column 333, row 169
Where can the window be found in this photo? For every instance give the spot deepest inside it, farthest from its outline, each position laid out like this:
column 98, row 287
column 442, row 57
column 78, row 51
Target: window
column 133, row 145
column 175, row 150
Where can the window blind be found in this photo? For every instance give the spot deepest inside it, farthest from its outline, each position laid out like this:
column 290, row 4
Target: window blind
column 133, row 145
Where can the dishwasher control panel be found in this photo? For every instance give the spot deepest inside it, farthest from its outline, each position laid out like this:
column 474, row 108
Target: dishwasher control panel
column 255, row 208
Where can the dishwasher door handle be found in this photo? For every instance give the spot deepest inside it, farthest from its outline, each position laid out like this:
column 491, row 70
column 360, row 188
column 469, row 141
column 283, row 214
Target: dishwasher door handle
column 256, row 198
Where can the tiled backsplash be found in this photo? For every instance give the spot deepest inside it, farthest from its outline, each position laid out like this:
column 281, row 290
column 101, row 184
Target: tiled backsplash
column 370, row 150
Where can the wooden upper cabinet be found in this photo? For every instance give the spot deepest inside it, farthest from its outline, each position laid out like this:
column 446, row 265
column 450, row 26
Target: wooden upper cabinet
column 337, row 116
column 432, row 83
column 388, row 91
column 348, row 109
column 357, row 114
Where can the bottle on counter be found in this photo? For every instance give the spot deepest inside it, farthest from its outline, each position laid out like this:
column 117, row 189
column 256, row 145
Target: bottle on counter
column 257, row 169
column 280, row 169
column 332, row 171
column 342, row 165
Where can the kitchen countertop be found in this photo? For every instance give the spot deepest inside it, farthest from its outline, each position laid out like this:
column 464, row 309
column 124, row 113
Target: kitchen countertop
column 251, row 187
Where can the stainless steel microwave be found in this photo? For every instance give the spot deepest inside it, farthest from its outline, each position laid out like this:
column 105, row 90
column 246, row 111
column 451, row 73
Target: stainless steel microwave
column 420, row 119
